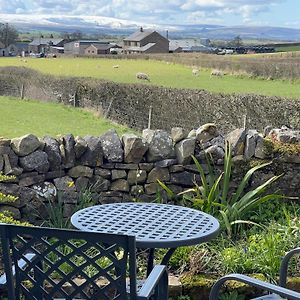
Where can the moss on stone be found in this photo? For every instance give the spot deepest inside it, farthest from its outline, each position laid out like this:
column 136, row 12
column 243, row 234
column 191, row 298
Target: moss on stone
column 257, row 162
column 274, row 148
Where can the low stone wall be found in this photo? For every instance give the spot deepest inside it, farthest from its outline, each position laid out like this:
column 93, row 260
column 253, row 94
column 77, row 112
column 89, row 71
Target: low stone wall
column 122, row 169
column 130, row 103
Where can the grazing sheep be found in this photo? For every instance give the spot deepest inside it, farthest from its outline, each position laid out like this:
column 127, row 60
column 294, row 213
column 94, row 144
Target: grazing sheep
column 116, row 66
column 195, row 72
column 142, row 76
column 217, row 73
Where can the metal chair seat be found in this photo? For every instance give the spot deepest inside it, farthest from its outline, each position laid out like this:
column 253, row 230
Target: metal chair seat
column 269, row 297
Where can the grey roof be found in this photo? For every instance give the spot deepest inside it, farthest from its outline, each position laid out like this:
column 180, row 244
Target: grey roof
column 45, row 41
column 91, row 42
column 102, row 46
column 187, row 43
column 138, row 35
column 141, row 49
column 21, row 45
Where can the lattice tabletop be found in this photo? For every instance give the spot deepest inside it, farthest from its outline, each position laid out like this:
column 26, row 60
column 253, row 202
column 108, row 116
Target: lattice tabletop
column 153, row 225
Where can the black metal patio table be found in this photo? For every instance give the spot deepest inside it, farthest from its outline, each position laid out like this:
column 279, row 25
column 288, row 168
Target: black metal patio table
column 153, row 225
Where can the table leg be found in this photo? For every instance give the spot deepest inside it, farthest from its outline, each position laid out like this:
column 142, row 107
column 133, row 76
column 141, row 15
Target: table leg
column 167, row 256
column 150, row 261
column 164, row 261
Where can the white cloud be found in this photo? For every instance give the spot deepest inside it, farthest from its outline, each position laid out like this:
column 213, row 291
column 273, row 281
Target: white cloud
column 180, row 11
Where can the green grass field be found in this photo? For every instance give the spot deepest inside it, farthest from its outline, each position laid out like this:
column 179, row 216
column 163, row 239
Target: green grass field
column 161, row 73
column 287, row 48
column 19, row 117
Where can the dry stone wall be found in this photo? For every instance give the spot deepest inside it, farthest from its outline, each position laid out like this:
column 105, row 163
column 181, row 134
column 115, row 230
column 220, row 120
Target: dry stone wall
column 130, row 103
column 120, row 169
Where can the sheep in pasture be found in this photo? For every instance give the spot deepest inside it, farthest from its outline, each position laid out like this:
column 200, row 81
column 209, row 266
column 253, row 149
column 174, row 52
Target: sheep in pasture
column 116, row 66
column 217, row 73
column 142, row 76
column 195, row 72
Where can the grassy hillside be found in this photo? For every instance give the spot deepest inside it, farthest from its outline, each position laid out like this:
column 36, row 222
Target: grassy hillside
column 19, row 117
column 288, row 48
column 161, row 73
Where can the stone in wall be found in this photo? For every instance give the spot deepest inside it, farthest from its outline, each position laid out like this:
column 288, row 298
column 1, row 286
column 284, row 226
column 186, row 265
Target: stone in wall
column 31, row 179
column 93, row 156
column 236, row 138
column 81, row 184
column 185, row 179
column 215, row 152
column 136, row 177
column 215, row 141
column 99, row 184
column 284, row 135
column 9, row 160
column 160, row 145
column 37, row 160
column 178, row 134
column 166, row 163
column 137, row 190
column 260, row 149
column 184, row 149
column 134, row 148
column 118, row 174
column 46, row 190
column 79, row 171
column 25, row 145
column 250, row 144
column 52, row 149
column 105, row 173
column 80, row 146
column 161, row 174
column 68, row 151
column 65, row 183
column 120, row 185
column 112, row 146
column 206, row 132
column 1, row 163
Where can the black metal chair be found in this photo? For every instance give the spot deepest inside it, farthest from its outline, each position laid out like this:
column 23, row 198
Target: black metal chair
column 45, row 263
column 276, row 292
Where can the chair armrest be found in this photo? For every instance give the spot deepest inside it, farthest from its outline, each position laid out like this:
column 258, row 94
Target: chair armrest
column 284, row 266
column 21, row 263
column 289, row 294
column 158, row 275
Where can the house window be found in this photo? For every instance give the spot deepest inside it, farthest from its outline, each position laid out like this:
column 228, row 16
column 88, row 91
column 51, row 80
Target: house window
column 93, row 51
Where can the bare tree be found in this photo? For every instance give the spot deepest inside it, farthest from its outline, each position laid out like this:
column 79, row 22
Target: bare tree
column 76, row 35
column 8, row 34
column 236, row 42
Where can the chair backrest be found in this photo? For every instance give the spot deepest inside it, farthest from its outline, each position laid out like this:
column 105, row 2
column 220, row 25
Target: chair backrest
column 68, row 264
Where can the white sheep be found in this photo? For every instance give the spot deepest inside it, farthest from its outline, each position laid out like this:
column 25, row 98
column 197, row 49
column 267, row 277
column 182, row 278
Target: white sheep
column 142, row 76
column 116, row 66
column 195, row 72
column 217, row 73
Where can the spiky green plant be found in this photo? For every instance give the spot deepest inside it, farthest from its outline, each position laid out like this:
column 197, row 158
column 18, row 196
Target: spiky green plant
column 214, row 196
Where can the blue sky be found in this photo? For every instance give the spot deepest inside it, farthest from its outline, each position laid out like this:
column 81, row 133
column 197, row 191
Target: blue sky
column 224, row 12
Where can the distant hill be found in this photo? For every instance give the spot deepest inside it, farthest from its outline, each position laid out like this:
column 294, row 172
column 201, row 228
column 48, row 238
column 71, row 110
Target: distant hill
column 96, row 24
